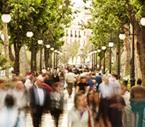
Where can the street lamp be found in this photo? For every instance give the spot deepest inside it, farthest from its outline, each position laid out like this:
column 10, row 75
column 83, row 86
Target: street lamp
column 52, row 49
column 51, row 57
column 29, row 34
column 104, row 49
column 40, row 42
column 99, row 51
column 6, row 18
column 142, row 21
column 47, row 46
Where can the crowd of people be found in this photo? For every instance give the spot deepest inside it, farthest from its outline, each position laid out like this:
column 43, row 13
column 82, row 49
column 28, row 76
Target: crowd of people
column 100, row 100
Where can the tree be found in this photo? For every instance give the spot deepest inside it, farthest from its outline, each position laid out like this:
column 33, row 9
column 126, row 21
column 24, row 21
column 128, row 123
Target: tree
column 107, row 15
column 39, row 15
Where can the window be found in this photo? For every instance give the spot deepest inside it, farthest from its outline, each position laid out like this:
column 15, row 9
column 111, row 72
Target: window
column 71, row 33
column 75, row 33
column 66, row 32
column 79, row 34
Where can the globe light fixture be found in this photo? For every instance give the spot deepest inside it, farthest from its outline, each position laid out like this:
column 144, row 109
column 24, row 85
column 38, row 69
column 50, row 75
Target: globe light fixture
column 122, row 36
column 40, row 42
column 55, row 51
column 6, row 18
column 47, row 46
column 58, row 52
column 142, row 21
column 99, row 50
column 29, row 34
column 3, row 53
column 9, row 37
column 52, row 49
column 111, row 44
column 103, row 47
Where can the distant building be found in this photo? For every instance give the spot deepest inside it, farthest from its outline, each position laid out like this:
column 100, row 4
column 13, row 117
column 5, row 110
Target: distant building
column 74, row 33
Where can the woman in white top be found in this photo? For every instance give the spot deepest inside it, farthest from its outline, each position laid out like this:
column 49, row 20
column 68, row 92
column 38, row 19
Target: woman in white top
column 80, row 115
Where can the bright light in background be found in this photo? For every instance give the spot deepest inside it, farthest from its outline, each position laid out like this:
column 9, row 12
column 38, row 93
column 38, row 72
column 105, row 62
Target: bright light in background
column 77, row 2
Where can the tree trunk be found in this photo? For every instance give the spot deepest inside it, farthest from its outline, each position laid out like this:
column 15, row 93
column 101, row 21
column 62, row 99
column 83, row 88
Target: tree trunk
column 32, row 55
column 6, row 48
column 11, row 55
column 17, row 65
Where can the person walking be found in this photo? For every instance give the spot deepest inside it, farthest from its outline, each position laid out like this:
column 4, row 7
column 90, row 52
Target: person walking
column 69, row 80
column 3, row 93
column 29, row 82
column 39, row 101
column 98, row 79
column 56, row 97
column 21, row 97
column 9, row 115
column 80, row 115
column 83, row 86
column 55, row 76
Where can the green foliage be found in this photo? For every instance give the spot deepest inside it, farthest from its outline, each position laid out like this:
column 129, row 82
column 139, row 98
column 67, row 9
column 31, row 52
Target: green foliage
column 35, row 15
column 3, row 61
column 71, row 51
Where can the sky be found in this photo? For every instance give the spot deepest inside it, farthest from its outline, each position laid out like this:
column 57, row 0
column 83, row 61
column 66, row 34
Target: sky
column 77, row 2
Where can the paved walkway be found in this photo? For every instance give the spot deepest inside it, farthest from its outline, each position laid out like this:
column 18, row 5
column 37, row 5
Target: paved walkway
column 47, row 120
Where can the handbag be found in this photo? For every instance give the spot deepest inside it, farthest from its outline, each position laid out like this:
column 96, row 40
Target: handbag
column 90, row 124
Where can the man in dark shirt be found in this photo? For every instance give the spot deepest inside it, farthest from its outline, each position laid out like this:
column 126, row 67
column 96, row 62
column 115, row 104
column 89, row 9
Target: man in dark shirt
column 98, row 80
column 83, row 86
column 55, row 77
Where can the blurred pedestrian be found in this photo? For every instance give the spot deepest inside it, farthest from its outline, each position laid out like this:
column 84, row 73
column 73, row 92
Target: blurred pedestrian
column 55, row 77
column 3, row 93
column 98, row 79
column 82, row 85
column 39, row 101
column 21, row 97
column 56, row 97
column 69, row 80
column 89, row 80
column 29, row 82
column 138, row 104
column 90, row 99
column 9, row 114
column 96, row 101
column 80, row 115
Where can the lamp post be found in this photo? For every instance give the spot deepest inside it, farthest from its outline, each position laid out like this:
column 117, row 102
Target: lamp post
column 132, row 74
column 51, row 57
column 55, row 52
column 110, row 45
column 47, row 55
column 95, row 58
column 121, row 37
column 104, row 49
column 40, row 42
column 6, row 18
column 99, row 51
column 29, row 34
